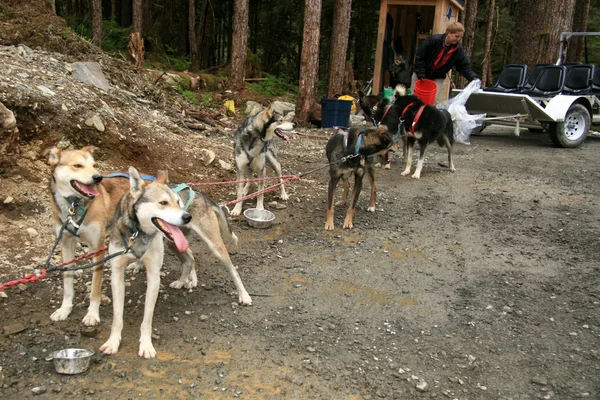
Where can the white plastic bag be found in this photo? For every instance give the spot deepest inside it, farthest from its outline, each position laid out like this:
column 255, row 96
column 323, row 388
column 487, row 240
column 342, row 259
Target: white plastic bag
column 464, row 123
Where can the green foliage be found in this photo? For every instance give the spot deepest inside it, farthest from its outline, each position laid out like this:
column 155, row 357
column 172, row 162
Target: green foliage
column 273, row 86
column 207, row 100
column 114, row 37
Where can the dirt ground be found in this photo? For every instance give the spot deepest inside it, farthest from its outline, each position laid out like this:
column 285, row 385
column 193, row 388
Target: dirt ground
column 479, row 284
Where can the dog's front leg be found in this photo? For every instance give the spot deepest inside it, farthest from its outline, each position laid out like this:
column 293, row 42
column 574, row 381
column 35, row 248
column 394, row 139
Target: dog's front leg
column 118, row 300
column 373, row 201
column 153, row 260
column 277, row 167
column 449, row 148
column 93, row 315
column 333, row 181
column 358, row 177
column 261, row 185
column 422, row 149
column 68, row 253
column 408, row 156
column 237, row 210
column 346, row 189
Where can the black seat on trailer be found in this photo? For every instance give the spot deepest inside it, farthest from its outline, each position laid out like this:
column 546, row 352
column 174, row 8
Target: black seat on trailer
column 511, row 79
column 596, row 80
column 571, row 63
column 549, row 82
column 579, row 79
column 533, row 74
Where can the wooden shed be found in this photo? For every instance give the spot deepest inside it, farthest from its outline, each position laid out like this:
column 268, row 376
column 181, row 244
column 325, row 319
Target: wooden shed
column 412, row 21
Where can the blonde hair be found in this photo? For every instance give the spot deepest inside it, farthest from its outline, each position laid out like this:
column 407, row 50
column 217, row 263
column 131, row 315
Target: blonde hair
column 455, row 27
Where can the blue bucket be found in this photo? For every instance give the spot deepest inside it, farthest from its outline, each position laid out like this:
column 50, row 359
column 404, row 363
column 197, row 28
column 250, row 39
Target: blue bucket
column 335, row 112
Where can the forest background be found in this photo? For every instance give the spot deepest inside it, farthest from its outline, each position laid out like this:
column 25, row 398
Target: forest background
column 201, row 36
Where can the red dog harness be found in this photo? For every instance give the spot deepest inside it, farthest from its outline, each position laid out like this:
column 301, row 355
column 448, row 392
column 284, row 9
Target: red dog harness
column 416, row 118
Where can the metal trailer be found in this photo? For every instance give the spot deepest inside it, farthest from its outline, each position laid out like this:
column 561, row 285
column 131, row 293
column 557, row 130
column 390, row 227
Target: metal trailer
column 567, row 118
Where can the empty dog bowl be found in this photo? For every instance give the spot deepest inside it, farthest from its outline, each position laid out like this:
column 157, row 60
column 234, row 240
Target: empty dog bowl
column 72, row 361
column 259, row 218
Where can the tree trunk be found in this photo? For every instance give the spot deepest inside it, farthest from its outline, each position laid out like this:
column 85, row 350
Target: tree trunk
column 192, row 36
column 239, row 43
column 113, row 10
column 136, row 41
column 487, row 53
column 580, row 21
column 539, row 24
column 309, row 61
column 469, row 20
column 97, row 22
column 339, row 45
column 138, row 13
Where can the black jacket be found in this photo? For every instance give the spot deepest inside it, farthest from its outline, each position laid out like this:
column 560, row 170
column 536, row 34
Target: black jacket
column 427, row 54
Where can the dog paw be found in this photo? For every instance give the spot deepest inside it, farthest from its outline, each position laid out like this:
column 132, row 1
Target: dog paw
column 61, row 314
column 135, row 267
column 236, row 211
column 111, row 346
column 377, row 165
column 416, row 176
column 146, row 350
column 91, row 319
column 176, row 284
column 348, row 225
column 284, row 196
column 452, row 169
column 405, row 172
column 244, row 299
column 371, row 209
column 388, row 166
column 328, row 227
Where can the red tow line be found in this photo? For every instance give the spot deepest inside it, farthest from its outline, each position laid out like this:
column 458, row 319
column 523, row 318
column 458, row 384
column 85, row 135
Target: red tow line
column 30, row 278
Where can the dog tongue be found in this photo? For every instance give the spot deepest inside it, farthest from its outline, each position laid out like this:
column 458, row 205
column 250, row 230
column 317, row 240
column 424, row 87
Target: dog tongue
column 180, row 240
column 89, row 190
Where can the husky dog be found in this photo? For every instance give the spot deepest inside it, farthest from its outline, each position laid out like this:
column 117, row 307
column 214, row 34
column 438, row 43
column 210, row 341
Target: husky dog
column 253, row 147
column 154, row 211
column 420, row 123
column 144, row 216
column 80, row 195
column 359, row 145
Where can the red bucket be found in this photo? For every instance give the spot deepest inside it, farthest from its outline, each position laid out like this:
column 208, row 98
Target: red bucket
column 426, row 90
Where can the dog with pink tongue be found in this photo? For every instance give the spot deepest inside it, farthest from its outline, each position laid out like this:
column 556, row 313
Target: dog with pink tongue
column 146, row 215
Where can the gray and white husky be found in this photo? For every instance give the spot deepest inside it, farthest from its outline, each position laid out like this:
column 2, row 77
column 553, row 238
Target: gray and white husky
column 253, row 147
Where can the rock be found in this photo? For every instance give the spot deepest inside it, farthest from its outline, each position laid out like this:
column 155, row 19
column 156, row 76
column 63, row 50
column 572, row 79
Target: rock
column 96, row 122
column 357, row 120
column 225, row 165
column 283, row 107
column 290, row 117
column 38, row 390
column 8, row 200
column 14, row 328
column 207, row 156
column 4, row 295
column 253, row 108
column 32, row 232
column 7, row 118
column 90, row 72
column 422, row 386
column 538, row 380
column 91, row 331
column 45, row 91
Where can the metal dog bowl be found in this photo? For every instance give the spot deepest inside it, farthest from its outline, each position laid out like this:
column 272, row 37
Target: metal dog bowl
column 259, row 218
column 72, row 361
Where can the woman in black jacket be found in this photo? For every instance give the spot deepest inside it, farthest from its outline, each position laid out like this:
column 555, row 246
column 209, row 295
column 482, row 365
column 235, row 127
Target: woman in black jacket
column 438, row 54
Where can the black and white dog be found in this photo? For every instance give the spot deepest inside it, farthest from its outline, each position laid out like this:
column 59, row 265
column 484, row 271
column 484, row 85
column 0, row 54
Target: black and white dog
column 254, row 147
column 421, row 123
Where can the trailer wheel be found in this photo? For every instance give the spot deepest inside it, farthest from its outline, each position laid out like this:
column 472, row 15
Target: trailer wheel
column 573, row 130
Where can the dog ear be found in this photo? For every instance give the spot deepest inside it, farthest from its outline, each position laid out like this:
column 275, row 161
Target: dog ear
column 162, row 176
column 89, row 149
column 268, row 113
column 53, row 155
column 136, row 183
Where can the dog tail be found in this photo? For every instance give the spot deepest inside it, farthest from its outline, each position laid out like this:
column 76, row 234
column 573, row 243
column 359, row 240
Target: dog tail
column 400, row 90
